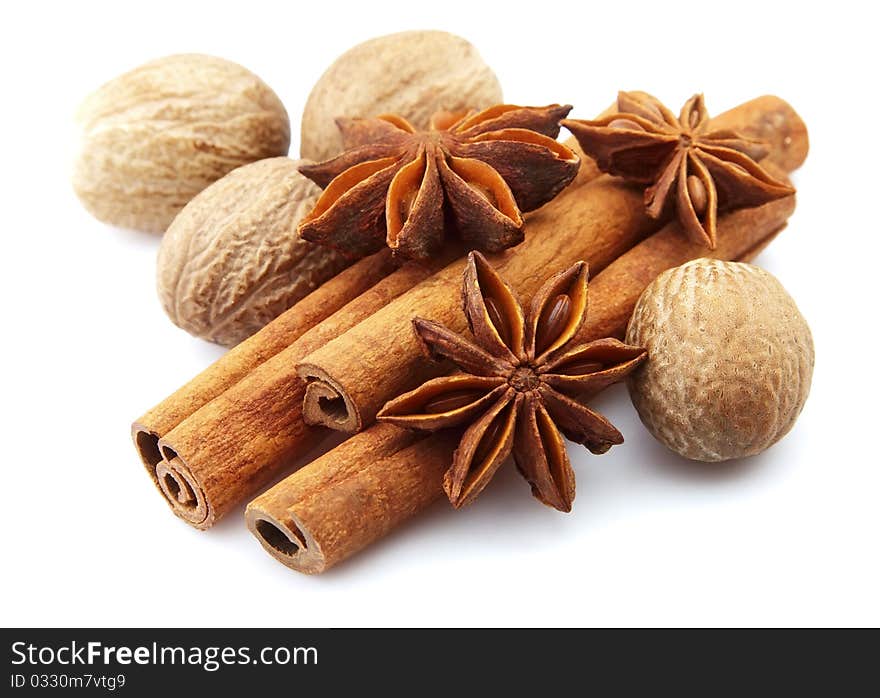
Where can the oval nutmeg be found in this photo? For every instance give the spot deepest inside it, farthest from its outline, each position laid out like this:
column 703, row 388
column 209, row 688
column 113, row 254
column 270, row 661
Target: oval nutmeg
column 413, row 74
column 232, row 261
column 153, row 138
column 730, row 360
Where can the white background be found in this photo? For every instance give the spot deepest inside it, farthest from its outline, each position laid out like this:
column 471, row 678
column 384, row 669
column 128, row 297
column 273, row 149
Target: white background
column 789, row 537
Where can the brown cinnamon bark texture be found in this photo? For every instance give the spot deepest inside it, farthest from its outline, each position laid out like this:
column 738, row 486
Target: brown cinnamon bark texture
column 376, row 480
column 773, row 120
column 240, row 360
column 320, row 519
column 351, row 377
column 228, row 432
column 614, row 292
column 237, row 426
column 237, row 443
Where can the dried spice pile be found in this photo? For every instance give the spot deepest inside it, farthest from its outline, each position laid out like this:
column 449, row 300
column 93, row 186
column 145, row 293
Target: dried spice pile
column 457, row 293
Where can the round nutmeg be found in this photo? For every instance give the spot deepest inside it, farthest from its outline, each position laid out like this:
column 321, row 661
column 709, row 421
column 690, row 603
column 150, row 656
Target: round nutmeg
column 413, row 74
column 730, row 359
column 150, row 140
column 232, row 260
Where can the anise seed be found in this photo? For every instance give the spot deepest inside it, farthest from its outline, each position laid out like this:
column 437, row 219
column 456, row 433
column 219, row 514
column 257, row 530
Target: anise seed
column 488, row 442
column 627, row 124
column 552, row 321
column 451, row 401
column 582, row 367
column 497, row 319
column 698, row 195
column 693, row 118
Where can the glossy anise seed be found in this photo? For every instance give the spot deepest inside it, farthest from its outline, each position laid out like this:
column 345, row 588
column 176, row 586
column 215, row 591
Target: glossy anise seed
column 451, row 401
column 552, row 321
column 497, row 319
column 489, row 440
column 626, row 123
column 693, row 118
column 698, row 195
column 582, row 367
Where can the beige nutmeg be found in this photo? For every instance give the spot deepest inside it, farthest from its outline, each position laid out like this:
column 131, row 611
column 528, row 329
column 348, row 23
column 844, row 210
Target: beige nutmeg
column 413, row 74
column 232, row 260
column 730, row 359
column 153, row 138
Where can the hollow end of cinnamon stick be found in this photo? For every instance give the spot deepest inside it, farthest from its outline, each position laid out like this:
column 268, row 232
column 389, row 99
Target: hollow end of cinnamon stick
column 598, row 222
column 326, row 403
column 350, row 496
column 146, row 442
column 178, row 486
column 287, row 541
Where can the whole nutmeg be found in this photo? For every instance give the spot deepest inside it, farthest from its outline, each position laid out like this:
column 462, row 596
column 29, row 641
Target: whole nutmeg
column 150, row 140
column 730, row 359
column 232, row 260
column 413, row 74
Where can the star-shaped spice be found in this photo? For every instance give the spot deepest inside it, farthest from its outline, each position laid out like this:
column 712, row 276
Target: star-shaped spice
column 689, row 167
column 472, row 172
column 521, row 384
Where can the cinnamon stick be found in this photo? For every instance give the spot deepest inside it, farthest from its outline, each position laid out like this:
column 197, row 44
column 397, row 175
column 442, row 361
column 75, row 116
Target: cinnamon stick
column 351, row 377
column 337, row 505
column 614, row 292
column 243, row 358
column 774, row 121
column 238, row 442
column 239, row 425
column 379, row 478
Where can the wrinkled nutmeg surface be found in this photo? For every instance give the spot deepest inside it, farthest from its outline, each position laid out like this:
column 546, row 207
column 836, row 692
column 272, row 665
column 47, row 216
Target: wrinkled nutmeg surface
column 412, row 74
column 153, row 138
column 730, row 360
column 232, row 261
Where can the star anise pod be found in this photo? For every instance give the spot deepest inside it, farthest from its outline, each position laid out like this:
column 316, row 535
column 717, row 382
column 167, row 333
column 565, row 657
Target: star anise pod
column 690, row 168
column 474, row 172
column 521, row 384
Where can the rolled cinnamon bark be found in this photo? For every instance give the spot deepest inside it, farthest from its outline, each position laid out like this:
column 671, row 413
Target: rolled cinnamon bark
column 351, row 377
column 376, row 480
column 243, row 358
column 774, row 121
column 614, row 292
column 209, row 448
column 338, row 506
column 237, row 443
